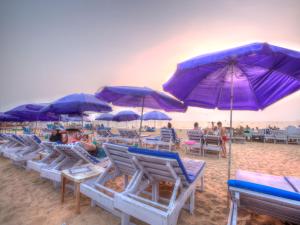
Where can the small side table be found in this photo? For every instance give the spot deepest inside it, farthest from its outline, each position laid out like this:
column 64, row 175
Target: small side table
column 77, row 178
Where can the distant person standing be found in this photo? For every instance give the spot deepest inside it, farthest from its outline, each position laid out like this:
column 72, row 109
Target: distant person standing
column 222, row 133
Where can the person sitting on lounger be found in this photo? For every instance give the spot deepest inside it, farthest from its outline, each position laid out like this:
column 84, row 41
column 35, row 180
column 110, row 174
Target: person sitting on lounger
column 176, row 140
column 72, row 136
column 222, row 133
column 88, row 144
column 56, row 136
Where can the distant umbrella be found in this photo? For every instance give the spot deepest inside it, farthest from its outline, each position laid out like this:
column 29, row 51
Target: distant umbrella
column 8, row 118
column 105, row 117
column 126, row 115
column 140, row 97
column 156, row 115
column 74, row 118
column 32, row 112
column 77, row 104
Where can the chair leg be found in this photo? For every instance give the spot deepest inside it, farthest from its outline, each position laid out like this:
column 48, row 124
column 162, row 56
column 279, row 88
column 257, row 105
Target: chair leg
column 192, row 202
column 125, row 219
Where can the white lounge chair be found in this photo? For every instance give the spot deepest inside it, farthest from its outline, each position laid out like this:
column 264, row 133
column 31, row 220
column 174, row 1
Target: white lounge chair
column 293, row 134
column 120, row 165
column 160, row 166
column 212, row 143
column 277, row 196
column 197, row 137
column 281, row 136
column 72, row 158
column 52, row 159
column 33, row 147
column 164, row 141
column 18, row 144
column 269, row 135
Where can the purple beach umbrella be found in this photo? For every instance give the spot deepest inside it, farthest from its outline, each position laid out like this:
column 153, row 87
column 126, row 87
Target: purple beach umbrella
column 105, row 117
column 77, row 104
column 9, row 118
column 125, row 115
column 140, row 97
column 250, row 77
column 32, row 113
column 156, row 115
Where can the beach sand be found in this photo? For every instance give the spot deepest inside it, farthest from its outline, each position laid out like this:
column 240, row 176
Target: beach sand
column 25, row 198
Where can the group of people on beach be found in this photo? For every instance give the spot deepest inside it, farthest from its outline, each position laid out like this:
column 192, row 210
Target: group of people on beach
column 72, row 135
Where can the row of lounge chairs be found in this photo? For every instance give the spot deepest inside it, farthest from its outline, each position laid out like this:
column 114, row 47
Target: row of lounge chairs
column 144, row 170
column 276, row 136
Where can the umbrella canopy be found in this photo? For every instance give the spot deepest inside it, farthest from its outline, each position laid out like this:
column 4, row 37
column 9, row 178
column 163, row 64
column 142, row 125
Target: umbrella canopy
column 139, row 97
column 74, row 118
column 77, row 104
column 8, row 118
column 105, row 117
column 156, row 115
column 260, row 75
column 126, row 115
column 250, row 77
column 32, row 112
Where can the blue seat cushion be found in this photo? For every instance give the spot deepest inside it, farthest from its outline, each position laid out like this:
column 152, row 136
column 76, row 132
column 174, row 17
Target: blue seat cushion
column 264, row 189
column 190, row 173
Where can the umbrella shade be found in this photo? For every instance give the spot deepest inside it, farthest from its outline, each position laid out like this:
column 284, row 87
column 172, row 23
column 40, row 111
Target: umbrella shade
column 9, row 118
column 32, row 112
column 139, row 97
column 156, row 115
column 105, row 117
column 126, row 115
column 77, row 104
column 260, row 75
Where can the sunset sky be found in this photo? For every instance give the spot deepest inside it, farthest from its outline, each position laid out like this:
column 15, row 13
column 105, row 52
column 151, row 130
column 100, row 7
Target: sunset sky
column 52, row 48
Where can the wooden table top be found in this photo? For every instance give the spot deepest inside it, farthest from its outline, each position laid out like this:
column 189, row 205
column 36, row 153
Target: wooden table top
column 93, row 171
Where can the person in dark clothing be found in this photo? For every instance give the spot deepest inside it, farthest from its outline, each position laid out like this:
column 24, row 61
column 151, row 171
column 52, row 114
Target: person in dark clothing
column 56, row 136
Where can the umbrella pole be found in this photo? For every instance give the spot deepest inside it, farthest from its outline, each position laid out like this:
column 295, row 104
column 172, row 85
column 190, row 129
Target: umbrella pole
column 230, row 131
column 141, row 121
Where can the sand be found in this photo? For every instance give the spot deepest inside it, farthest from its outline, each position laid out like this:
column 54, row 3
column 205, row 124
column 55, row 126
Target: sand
column 25, row 198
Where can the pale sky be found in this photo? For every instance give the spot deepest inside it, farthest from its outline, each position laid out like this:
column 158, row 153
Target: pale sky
column 52, row 48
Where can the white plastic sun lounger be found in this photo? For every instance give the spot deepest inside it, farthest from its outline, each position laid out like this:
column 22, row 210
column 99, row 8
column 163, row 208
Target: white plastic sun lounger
column 164, row 141
column 160, row 166
column 197, row 137
column 34, row 146
column 120, row 165
column 281, row 136
column 52, row 159
column 212, row 143
column 6, row 143
column 72, row 158
column 18, row 145
column 128, row 137
column 277, row 196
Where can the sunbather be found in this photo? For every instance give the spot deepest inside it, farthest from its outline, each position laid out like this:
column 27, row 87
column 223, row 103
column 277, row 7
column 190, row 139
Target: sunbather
column 56, row 136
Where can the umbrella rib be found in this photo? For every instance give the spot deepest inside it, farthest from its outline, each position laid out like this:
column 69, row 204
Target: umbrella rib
column 251, row 87
column 221, row 85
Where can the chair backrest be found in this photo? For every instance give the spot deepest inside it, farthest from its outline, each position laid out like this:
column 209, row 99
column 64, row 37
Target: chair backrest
column 67, row 150
column 120, row 158
column 195, row 135
column 103, row 133
column 18, row 139
column 166, row 135
column 212, row 140
column 160, row 165
column 122, row 132
column 280, row 132
column 80, row 151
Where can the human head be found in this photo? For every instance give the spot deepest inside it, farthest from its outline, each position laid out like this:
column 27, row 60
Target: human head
column 196, row 125
column 219, row 124
column 169, row 125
